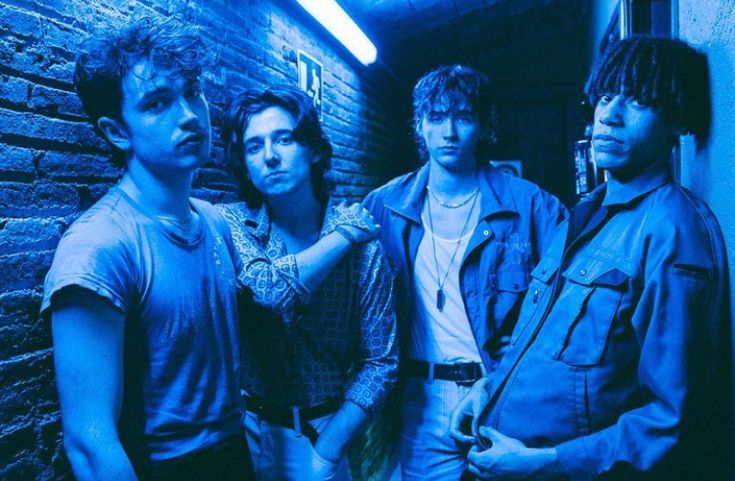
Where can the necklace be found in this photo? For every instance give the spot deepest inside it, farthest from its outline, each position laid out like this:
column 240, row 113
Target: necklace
column 440, row 280
column 458, row 204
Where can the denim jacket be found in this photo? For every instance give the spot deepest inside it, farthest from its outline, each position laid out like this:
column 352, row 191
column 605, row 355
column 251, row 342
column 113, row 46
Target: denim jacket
column 517, row 221
column 614, row 360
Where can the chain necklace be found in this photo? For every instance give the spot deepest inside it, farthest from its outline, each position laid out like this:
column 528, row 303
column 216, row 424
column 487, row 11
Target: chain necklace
column 440, row 280
column 453, row 206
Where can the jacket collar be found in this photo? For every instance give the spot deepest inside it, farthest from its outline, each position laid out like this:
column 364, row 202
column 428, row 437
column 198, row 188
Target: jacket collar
column 621, row 194
column 495, row 193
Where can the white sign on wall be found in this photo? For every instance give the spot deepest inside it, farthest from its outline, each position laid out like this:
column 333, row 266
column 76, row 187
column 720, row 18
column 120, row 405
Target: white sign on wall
column 310, row 79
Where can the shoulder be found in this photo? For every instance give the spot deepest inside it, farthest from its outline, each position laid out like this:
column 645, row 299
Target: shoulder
column 680, row 218
column 523, row 194
column 393, row 189
column 109, row 223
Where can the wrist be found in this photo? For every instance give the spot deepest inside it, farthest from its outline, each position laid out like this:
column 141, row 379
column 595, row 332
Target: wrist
column 346, row 234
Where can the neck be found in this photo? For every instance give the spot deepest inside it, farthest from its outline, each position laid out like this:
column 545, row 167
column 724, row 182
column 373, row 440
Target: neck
column 300, row 217
column 167, row 196
column 452, row 183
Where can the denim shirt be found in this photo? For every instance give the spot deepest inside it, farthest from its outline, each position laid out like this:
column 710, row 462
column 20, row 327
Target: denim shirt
column 517, row 221
column 612, row 359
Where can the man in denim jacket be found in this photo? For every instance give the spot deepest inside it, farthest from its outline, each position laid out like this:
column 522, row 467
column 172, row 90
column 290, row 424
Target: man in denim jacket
column 612, row 367
column 463, row 238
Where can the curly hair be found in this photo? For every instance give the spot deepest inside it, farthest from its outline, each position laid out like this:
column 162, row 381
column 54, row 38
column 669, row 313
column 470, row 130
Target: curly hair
column 308, row 132
column 108, row 55
column 665, row 74
column 451, row 86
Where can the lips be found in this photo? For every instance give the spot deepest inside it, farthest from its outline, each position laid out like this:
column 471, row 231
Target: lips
column 607, row 143
column 192, row 139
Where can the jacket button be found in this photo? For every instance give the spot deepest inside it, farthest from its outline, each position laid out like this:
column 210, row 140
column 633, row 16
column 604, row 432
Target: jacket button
column 582, row 272
column 486, row 232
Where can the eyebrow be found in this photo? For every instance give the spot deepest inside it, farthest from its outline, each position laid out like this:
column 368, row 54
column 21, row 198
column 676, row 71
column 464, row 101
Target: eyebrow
column 259, row 138
column 164, row 89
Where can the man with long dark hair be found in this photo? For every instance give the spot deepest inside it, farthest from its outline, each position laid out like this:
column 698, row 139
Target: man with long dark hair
column 319, row 353
column 615, row 369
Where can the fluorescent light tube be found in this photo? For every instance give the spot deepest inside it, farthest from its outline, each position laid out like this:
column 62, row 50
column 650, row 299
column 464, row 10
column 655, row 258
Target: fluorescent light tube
column 339, row 24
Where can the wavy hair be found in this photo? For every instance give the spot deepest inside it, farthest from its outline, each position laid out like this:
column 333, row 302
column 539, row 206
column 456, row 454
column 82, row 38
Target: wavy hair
column 308, row 132
column 108, row 55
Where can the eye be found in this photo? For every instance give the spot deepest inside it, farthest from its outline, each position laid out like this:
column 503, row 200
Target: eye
column 154, row 105
column 465, row 117
column 636, row 103
column 435, row 117
column 285, row 139
column 252, row 149
column 605, row 99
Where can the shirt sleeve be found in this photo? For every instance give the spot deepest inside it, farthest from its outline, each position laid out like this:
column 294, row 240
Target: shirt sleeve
column 95, row 257
column 377, row 369
column 272, row 281
column 675, row 323
column 548, row 214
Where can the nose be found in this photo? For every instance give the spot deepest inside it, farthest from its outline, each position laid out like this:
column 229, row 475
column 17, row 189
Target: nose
column 611, row 113
column 448, row 128
column 269, row 154
column 188, row 116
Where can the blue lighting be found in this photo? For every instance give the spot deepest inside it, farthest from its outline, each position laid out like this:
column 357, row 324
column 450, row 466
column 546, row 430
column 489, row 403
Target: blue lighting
column 344, row 29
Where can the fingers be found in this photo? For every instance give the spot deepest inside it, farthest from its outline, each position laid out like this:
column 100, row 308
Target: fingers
column 455, row 426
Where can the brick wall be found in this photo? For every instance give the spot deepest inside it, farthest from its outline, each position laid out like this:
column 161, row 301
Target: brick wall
column 53, row 166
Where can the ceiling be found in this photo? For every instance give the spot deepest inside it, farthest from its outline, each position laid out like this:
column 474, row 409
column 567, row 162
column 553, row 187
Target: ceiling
column 395, row 25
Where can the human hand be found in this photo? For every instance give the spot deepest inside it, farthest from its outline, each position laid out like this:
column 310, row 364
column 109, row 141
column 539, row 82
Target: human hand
column 356, row 220
column 470, row 407
column 323, row 467
column 508, row 459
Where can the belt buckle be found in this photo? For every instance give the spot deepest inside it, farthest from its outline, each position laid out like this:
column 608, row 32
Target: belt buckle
column 460, row 374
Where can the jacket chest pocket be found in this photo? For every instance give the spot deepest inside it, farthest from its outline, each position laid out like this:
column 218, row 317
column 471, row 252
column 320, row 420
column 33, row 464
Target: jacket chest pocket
column 597, row 289
column 541, row 279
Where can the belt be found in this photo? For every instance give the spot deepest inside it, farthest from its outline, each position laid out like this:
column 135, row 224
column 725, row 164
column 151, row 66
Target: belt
column 295, row 418
column 463, row 373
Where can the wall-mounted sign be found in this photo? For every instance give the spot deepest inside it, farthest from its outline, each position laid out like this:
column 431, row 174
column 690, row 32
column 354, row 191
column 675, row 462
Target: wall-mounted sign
column 310, row 79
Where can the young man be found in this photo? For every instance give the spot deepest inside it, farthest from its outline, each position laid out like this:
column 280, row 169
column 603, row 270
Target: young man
column 319, row 353
column 142, row 292
column 612, row 372
column 463, row 238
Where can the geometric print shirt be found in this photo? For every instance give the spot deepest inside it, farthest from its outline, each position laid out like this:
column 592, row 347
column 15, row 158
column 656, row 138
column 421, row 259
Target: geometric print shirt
column 302, row 348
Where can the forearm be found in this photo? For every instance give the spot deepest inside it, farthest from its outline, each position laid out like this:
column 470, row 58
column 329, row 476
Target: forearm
column 341, row 430
column 316, row 262
column 93, row 460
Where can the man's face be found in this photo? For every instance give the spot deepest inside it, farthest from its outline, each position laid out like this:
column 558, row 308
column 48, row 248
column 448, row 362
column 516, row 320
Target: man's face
column 166, row 119
column 276, row 163
column 451, row 136
column 629, row 137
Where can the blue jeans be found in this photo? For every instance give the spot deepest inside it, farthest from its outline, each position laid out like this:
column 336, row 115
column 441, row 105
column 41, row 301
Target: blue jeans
column 427, row 450
column 280, row 454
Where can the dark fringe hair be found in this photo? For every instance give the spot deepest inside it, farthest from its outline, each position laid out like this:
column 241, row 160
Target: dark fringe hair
column 308, row 132
column 108, row 55
column 665, row 74
column 454, row 85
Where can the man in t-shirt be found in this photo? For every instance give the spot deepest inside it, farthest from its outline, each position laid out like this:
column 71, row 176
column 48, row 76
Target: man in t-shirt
column 463, row 237
column 142, row 292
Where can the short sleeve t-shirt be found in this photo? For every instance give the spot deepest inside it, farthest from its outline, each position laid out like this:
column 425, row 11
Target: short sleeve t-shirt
column 179, row 297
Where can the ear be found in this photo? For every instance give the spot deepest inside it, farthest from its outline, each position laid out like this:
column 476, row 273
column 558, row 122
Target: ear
column 115, row 132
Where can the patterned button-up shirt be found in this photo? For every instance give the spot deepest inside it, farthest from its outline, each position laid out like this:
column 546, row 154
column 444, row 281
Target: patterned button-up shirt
column 303, row 348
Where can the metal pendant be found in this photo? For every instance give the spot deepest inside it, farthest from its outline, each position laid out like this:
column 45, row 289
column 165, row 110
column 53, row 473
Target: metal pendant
column 440, row 300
